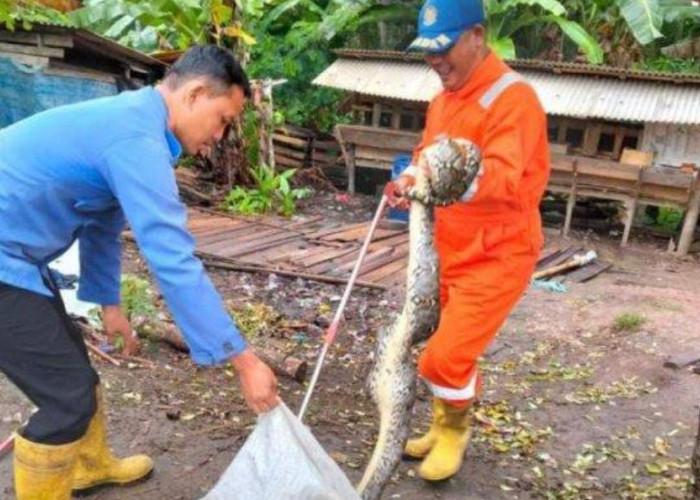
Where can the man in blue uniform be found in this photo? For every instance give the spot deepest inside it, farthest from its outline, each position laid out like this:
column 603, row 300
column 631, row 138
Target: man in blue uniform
column 80, row 172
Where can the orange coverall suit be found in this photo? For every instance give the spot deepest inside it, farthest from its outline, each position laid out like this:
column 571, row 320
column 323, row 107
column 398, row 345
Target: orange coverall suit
column 488, row 245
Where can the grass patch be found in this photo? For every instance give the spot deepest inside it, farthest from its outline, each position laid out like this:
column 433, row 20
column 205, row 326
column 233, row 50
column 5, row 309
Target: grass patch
column 628, row 322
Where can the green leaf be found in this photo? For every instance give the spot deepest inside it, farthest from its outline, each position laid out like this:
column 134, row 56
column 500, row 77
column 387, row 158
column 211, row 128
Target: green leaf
column 503, row 47
column 287, row 174
column 551, row 6
column 583, row 40
column 275, row 13
column 119, row 27
column 644, row 19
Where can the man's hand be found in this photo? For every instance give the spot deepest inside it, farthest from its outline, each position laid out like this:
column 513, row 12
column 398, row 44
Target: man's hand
column 116, row 323
column 396, row 191
column 258, row 383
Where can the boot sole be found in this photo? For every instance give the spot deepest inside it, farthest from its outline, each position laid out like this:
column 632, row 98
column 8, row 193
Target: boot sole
column 91, row 490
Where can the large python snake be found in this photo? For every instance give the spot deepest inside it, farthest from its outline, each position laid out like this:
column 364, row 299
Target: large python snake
column 453, row 165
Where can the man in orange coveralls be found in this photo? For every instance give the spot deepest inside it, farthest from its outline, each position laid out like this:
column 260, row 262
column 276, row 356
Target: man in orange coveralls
column 488, row 243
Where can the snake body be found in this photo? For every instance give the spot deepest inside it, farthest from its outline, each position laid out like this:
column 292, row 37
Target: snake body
column 453, row 165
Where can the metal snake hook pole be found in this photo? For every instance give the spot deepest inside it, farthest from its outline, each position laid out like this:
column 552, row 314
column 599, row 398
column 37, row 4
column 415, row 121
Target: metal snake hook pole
column 333, row 328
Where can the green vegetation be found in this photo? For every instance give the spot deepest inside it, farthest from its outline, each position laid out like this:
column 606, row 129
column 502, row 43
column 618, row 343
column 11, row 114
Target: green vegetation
column 137, row 298
column 159, row 25
column 628, row 322
column 272, row 192
column 25, row 13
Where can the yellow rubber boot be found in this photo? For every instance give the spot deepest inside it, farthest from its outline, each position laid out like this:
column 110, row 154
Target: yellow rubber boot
column 97, row 466
column 419, row 448
column 44, row 472
column 447, row 454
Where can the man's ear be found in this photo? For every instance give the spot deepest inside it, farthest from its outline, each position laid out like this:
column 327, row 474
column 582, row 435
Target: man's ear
column 479, row 31
column 195, row 90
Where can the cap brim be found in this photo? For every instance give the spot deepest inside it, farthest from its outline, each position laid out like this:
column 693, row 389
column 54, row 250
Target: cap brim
column 434, row 44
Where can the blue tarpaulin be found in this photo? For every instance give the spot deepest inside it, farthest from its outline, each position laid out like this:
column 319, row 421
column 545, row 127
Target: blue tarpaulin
column 25, row 90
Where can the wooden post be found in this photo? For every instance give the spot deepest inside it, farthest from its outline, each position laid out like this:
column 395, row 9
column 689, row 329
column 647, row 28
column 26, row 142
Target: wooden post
column 691, row 219
column 632, row 209
column 351, row 168
column 376, row 114
column 396, row 118
column 619, row 138
column 571, row 202
column 561, row 135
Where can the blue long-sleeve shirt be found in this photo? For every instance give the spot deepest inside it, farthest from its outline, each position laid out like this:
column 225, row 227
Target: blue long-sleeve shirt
column 78, row 172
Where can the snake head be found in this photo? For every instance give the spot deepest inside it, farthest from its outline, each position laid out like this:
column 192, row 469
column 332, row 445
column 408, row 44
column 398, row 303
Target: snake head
column 453, row 164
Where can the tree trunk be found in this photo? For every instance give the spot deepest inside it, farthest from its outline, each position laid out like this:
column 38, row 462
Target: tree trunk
column 694, row 486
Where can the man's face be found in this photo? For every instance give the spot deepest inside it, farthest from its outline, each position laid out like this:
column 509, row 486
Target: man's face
column 204, row 116
column 456, row 66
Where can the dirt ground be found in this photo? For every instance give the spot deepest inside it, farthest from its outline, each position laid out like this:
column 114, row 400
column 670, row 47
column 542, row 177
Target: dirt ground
column 577, row 401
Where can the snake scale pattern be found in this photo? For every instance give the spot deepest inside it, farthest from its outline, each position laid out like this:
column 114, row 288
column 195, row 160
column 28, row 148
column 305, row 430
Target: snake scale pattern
column 453, row 164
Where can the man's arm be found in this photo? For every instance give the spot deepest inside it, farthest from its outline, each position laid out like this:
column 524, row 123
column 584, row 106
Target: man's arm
column 139, row 173
column 514, row 130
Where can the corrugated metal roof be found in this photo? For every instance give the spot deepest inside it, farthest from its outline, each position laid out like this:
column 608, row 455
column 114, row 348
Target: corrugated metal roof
column 408, row 81
column 616, row 100
column 570, row 95
column 557, row 67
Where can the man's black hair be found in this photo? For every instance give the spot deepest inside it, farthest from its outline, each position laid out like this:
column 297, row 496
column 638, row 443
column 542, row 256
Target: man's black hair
column 212, row 62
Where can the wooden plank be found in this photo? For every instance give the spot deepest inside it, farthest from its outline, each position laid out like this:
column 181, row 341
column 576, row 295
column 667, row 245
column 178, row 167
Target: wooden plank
column 588, row 272
column 65, row 41
column 368, row 153
column 378, row 275
column 397, row 278
column 359, row 234
column 400, row 242
column 306, row 222
column 378, row 138
column 320, row 257
column 319, row 144
column 278, row 253
column 258, row 245
column 226, row 233
column 545, row 261
column 563, row 257
column 290, row 153
column 690, row 223
column 384, row 258
column 29, row 50
column 327, row 232
column 211, row 231
column 288, row 162
column 34, row 61
column 214, row 224
column 371, row 257
column 307, row 250
column 637, row 157
column 604, row 168
column 291, row 141
column 58, row 68
column 227, row 243
column 242, row 267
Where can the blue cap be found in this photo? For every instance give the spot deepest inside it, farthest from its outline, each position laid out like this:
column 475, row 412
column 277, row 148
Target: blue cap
column 442, row 22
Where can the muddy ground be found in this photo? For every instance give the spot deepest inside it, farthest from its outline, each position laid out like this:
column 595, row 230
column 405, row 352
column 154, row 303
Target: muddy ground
column 577, row 402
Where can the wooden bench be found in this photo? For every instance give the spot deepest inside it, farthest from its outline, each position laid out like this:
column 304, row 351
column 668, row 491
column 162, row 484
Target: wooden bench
column 632, row 185
column 575, row 176
column 371, row 147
